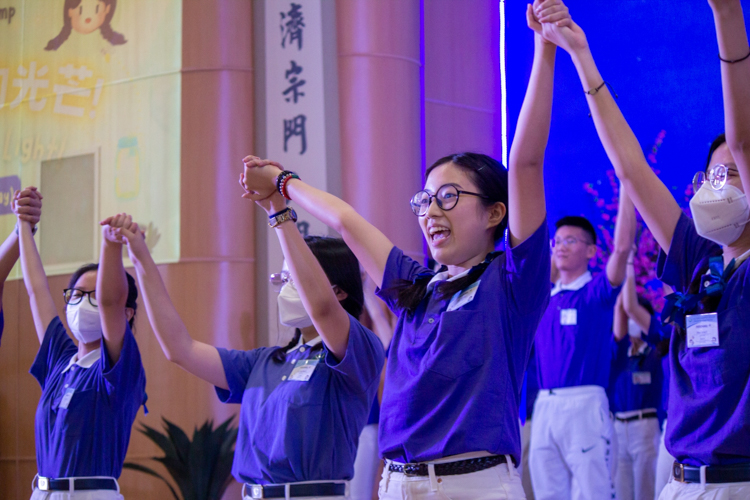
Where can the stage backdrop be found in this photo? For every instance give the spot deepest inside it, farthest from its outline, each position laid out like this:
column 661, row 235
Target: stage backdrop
column 90, row 113
column 661, row 60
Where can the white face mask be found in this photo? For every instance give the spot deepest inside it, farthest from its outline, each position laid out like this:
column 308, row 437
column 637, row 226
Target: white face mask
column 720, row 216
column 291, row 311
column 84, row 322
column 633, row 329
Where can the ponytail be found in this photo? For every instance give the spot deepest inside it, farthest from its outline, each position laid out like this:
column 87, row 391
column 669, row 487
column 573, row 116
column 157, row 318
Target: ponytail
column 279, row 355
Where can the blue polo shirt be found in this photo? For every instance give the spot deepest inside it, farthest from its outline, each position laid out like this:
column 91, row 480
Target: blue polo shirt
column 665, row 384
column 85, row 433
column 453, row 379
column 709, row 389
column 532, row 384
column 2, row 323
column 630, row 388
column 292, row 430
column 573, row 339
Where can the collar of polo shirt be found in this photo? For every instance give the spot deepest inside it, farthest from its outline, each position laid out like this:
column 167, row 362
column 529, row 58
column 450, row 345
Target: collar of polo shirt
column 641, row 350
column 317, row 340
column 574, row 285
column 85, row 362
column 443, row 276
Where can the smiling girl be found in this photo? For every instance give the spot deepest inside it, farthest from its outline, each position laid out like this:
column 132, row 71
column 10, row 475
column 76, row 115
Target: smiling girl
column 87, row 16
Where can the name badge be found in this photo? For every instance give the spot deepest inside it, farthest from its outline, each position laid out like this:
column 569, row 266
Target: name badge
column 702, row 330
column 303, row 369
column 641, row 378
column 66, row 398
column 463, row 297
column 568, row 317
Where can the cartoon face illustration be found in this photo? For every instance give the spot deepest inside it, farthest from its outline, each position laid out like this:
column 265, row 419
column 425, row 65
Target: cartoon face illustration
column 87, row 16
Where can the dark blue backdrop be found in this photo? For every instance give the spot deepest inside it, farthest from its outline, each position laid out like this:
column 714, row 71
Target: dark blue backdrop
column 661, row 58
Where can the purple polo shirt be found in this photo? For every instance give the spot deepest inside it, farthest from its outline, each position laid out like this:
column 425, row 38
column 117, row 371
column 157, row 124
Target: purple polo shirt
column 453, row 379
column 630, row 389
column 577, row 354
column 88, row 434
column 709, row 389
column 293, row 430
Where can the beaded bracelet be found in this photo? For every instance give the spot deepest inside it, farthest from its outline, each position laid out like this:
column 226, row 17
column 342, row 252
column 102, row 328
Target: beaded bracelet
column 280, row 178
column 284, row 183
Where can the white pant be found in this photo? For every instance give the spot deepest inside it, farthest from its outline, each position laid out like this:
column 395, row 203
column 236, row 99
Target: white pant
column 366, row 464
column 76, row 495
column 638, row 444
column 663, row 465
column 694, row 491
column 501, row 482
column 573, row 445
column 524, row 467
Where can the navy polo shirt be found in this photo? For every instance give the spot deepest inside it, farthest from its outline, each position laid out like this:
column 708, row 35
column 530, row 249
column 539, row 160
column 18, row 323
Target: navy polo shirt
column 453, row 379
column 578, row 352
column 665, row 384
column 630, row 388
column 532, row 384
column 291, row 430
column 709, row 389
column 86, row 433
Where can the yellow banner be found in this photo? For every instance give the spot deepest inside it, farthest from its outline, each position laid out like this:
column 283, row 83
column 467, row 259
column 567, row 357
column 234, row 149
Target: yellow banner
column 90, row 113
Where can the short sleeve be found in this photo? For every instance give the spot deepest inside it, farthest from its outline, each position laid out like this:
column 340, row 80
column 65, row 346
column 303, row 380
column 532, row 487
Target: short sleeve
column 528, row 270
column 399, row 268
column 603, row 292
column 363, row 360
column 686, row 252
column 127, row 374
column 237, row 367
column 656, row 331
column 56, row 347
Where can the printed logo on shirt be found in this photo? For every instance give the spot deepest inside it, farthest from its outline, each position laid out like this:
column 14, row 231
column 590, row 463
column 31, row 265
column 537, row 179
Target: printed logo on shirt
column 303, row 369
column 568, row 317
column 463, row 297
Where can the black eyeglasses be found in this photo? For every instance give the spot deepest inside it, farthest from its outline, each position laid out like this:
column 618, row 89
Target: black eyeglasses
column 73, row 296
column 446, row 198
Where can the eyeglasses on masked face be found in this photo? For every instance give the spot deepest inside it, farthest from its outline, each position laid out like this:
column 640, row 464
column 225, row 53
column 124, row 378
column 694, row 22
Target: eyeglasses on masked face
column 278, row 280
column 73, row 296
column 716, row 178
column 446, row 198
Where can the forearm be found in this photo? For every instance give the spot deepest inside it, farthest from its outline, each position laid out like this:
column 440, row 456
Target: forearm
column 111, row 286
column 9, row 253
column 623, row 240
column 43, row 308
column 620, row 323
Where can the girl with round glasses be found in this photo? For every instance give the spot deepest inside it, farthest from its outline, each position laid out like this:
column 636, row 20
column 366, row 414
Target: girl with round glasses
column 91, row 392
column 704, row 259
column 449, row 413
column 303, row 405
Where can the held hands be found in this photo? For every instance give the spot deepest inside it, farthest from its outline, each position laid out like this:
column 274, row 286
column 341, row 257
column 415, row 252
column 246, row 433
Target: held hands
column 121, row 229
column 551, row 20
column 259, row 178
column 27, row 205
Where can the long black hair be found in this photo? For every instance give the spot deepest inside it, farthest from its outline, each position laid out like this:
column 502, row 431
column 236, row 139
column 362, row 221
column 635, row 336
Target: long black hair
column 491, row 180
column 108, row 33
column 132, row 300
column 342, row 269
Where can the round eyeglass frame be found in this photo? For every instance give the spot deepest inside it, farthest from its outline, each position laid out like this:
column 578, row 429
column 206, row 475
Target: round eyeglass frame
column 567, row 242
column 71, row 301
column 420, row 208
column 280, row 279
column 716, row 177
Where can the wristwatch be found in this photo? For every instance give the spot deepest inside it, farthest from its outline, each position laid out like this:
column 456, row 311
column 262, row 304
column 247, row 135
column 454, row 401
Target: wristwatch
column 283, row 216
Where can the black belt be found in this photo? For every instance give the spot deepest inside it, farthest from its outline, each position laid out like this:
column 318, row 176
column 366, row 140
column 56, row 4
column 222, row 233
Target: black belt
column 449, row 468
column 739, row 473
column 640, row 416
column 297, row 490
column 47, row 484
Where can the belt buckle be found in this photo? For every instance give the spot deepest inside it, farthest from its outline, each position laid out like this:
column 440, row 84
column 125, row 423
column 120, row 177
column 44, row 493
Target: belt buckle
column 410, row 470
column 679, row 472
column 256, row 491
column 43, row 483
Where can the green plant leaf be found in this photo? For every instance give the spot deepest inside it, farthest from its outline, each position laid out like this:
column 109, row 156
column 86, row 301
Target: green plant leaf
column 151, row 472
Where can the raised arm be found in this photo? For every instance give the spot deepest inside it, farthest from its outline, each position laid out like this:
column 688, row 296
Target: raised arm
column 620, row 324
column 652, row 198
column 112, row 286
column 321, row 301
column 368, row 243
column 202, row 360
column 735, row 81
column 624, row 236
column 27, row 205
column 527, row 208
column 633, row 309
